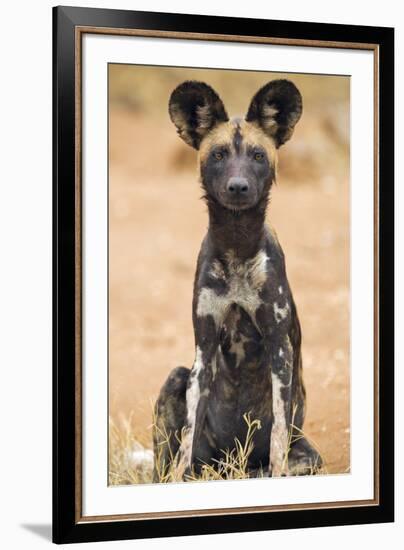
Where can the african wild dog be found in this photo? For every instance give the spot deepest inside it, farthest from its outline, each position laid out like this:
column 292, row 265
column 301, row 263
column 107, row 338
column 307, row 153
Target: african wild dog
column 247, row 332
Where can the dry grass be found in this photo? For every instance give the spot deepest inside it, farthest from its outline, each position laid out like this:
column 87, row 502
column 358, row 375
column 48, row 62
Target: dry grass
column 125, row 454
column 130, row 462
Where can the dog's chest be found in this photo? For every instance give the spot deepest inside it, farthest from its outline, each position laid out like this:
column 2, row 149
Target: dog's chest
column 233, row 282
column 241, row 385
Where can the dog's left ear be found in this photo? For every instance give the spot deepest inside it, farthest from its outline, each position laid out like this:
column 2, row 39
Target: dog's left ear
column 276, row 107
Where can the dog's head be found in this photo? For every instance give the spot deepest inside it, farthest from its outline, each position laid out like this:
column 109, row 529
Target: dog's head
column 237, row 156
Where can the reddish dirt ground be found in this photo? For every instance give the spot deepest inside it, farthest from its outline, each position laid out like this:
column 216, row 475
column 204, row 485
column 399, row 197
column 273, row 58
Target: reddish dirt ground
column 156, row 225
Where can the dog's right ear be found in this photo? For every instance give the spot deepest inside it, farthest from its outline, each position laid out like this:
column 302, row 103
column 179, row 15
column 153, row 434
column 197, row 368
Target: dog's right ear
column 195, row 108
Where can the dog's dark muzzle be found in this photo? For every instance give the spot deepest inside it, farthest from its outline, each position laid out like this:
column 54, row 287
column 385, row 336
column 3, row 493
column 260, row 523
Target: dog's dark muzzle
column 237, row 187
column 238, row 193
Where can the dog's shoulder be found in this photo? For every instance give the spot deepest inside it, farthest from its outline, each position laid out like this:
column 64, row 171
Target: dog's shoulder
column 272, row 245
column 206, row 265
column 205, row 257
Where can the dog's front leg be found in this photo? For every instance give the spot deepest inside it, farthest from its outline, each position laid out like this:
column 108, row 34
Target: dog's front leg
column 199, row 383
column 281, row 368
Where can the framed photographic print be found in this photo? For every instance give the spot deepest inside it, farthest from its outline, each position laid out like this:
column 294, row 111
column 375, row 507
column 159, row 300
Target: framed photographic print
column 223, row 275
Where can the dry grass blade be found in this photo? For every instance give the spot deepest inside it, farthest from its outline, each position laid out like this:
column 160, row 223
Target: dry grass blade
column 131, row 463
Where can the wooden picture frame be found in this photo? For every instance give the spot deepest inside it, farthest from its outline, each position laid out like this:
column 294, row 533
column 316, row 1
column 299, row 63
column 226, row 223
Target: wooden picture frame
column 70, row 25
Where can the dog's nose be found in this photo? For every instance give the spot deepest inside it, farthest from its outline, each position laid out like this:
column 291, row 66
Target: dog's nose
column 237, row 185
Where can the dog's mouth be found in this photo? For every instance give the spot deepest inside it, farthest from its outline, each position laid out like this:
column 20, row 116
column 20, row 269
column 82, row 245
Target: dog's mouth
column 237, row 203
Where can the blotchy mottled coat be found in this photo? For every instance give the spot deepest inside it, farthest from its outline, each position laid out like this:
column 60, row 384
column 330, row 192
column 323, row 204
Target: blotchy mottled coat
column 247, row 331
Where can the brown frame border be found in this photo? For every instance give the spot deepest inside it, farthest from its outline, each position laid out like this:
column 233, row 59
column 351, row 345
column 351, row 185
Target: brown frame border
column 79, row 32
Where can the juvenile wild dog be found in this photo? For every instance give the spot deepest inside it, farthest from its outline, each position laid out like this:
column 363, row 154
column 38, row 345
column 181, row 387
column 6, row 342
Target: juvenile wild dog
column 247, row 332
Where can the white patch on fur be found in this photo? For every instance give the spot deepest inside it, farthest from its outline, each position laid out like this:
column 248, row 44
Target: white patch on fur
column 214, row 368
column 253, row 270
column 217, row 271
column 289, row 350
column 257, row 269
column 205, row 392
column 192, row 399
column 280, row 313
column 210, row 303
column 193, row 391
column 238, row 349
column 279, row 433
column 245, row 280
column 280, row 290
column 280, row 430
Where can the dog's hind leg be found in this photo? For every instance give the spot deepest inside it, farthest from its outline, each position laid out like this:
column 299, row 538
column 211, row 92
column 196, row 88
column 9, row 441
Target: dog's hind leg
column 303, row 458
column 170, row 415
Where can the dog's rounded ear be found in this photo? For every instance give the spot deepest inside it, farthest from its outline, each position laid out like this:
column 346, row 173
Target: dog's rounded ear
column 276, row 107
column 195, row 108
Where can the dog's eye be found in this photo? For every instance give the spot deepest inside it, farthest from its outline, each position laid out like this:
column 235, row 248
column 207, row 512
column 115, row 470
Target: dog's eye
column 258, row 156
column 218, row 155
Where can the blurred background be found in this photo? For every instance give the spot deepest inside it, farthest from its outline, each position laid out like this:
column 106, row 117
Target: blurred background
column 157, row 222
